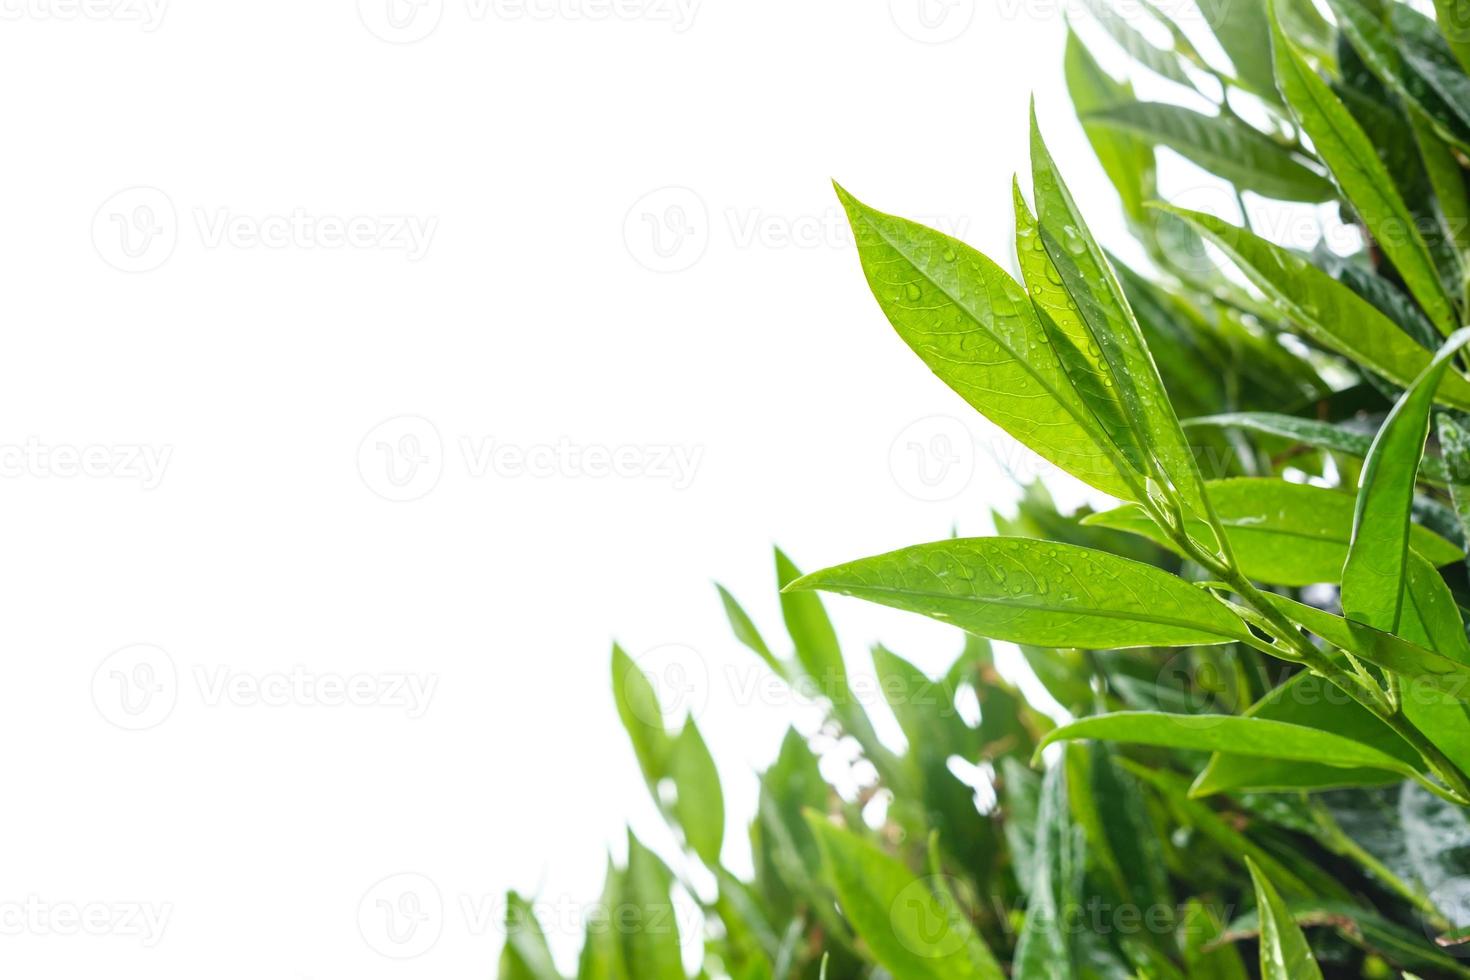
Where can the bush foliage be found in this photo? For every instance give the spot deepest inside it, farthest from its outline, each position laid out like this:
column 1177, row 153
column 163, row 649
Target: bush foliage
column 1263, row 762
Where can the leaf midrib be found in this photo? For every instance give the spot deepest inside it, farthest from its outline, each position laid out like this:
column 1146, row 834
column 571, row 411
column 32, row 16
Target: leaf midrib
column 1048, row 607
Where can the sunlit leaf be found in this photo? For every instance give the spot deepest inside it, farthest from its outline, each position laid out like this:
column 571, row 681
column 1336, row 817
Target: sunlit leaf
column 1037, row 592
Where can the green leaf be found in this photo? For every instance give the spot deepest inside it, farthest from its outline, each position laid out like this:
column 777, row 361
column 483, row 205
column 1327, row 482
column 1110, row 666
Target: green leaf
column 1245, row 34
column 1454, row 444
column 1320, row 435
column 1373, row 578
column 1128, row 162
column 1042, row 593
column 1285, row 954
column 791, row 786
column 1395, row 136
column 820, row 657
column 1236, row 734
column 1427, row 55
column 1205, row 959
column 651, row 937
column 1108, row 805
column 1113, row 329
column 1454, row 25
column 1223, row 145
column 1194, row 814
column 975, row 328
column 1019, row 790
column 602, row 952
column 1407, row 657
column 746, row 632
column 525, row 955
column 1326, row 311
column 1072, row 339
column 1161, row 61
column 1407, row 63
column 817, row 649
column 1359, row 926
column 909, row 929
column 700, row 803
column 642, row 717
column 1045, row 950
column 1309, row 701
column 1282, row 533
column 1445, row 177
column 1355, row 166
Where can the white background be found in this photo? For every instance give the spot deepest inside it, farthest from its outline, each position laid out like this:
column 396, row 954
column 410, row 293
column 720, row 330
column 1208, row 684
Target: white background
column 178, row 291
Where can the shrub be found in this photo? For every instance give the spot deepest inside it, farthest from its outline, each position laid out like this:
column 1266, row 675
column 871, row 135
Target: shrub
column 1260, row 650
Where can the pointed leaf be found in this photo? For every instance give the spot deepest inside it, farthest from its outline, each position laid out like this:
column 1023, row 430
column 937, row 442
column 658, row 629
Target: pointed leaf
column 1373, row 578
column 909, row 929
column 975, row 328
column 642, row 717
column 1285, row 954
column 1454, row 24
column 1312, row 702
column 1230, row 733
column 1327, row 311
column 651, row 939
column 1038, row 592
column 700, row 803
column 1282, row 533
column 1354, row 163
column 1094, row 286
column 1223, row 145
column 1320, row 435
column 1127, row 160
column 746, row 632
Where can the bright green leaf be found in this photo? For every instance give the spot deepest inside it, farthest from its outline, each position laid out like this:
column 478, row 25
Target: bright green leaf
column 700, row 803
column 975, row 328
column 909, row 929
column 1230, row 733
column 1373, row 578
column 1285, row 954
column 1042, row 593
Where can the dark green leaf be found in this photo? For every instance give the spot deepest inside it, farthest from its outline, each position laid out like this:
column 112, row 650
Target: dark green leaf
column 1223, row 145
column 1355, row 165
column 1327, row 311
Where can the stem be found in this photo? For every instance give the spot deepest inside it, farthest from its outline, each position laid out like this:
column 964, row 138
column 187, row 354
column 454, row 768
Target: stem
column 1333, row 837
column 1385, row 705
column 1443, row 766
